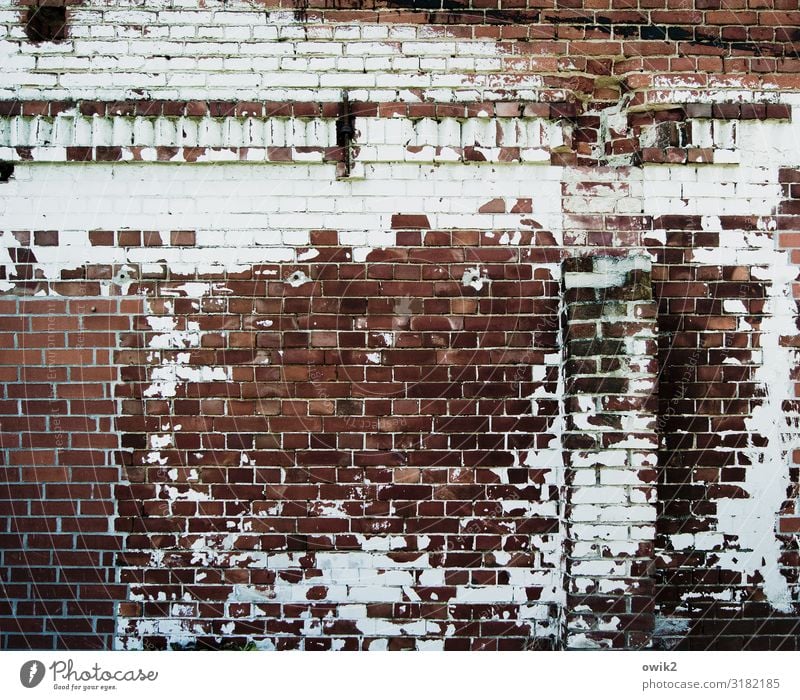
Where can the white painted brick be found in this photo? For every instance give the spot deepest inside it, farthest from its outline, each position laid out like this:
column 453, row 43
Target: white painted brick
column 708, row 189
column 265, row 33
column 347, row 80
column 371, row 48
column 188, row 32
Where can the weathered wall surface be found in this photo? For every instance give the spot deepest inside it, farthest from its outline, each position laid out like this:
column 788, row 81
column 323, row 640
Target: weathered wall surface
column 365, row 326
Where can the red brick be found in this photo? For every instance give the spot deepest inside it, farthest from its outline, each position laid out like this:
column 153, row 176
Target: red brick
column 493, row 206
column 410, row 221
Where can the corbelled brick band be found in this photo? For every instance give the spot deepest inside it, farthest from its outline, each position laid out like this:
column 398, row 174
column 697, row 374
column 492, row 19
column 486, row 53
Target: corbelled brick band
column 610, row 451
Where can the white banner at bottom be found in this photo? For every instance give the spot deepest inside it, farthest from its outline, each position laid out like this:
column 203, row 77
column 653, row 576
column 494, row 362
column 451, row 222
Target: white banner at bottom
column 386, row 675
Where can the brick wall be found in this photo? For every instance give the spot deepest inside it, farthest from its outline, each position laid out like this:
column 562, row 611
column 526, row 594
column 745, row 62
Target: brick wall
column 382, row 326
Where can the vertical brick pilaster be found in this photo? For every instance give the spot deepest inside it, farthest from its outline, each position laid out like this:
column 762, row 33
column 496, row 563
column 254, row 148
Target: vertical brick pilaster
column 610, row 442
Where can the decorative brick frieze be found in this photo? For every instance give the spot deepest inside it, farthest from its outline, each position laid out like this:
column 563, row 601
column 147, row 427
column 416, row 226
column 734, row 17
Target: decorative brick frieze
column 307, row 133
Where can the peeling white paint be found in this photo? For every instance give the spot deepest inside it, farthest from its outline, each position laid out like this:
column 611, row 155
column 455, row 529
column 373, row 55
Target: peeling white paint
column 475, row 278
column 752, row 520
column 298, row 279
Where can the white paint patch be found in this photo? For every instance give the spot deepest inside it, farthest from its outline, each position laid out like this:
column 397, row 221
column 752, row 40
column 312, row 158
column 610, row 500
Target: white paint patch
column 186, row 494
column 475, row 278
column 514, row 240
column 608, row 272
column 671, row 626
column 734, row 306
column 752, row 520
column 194, row 290
column 581, row 641
column 308, row 255
column 158, row 442
column 298, row 279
